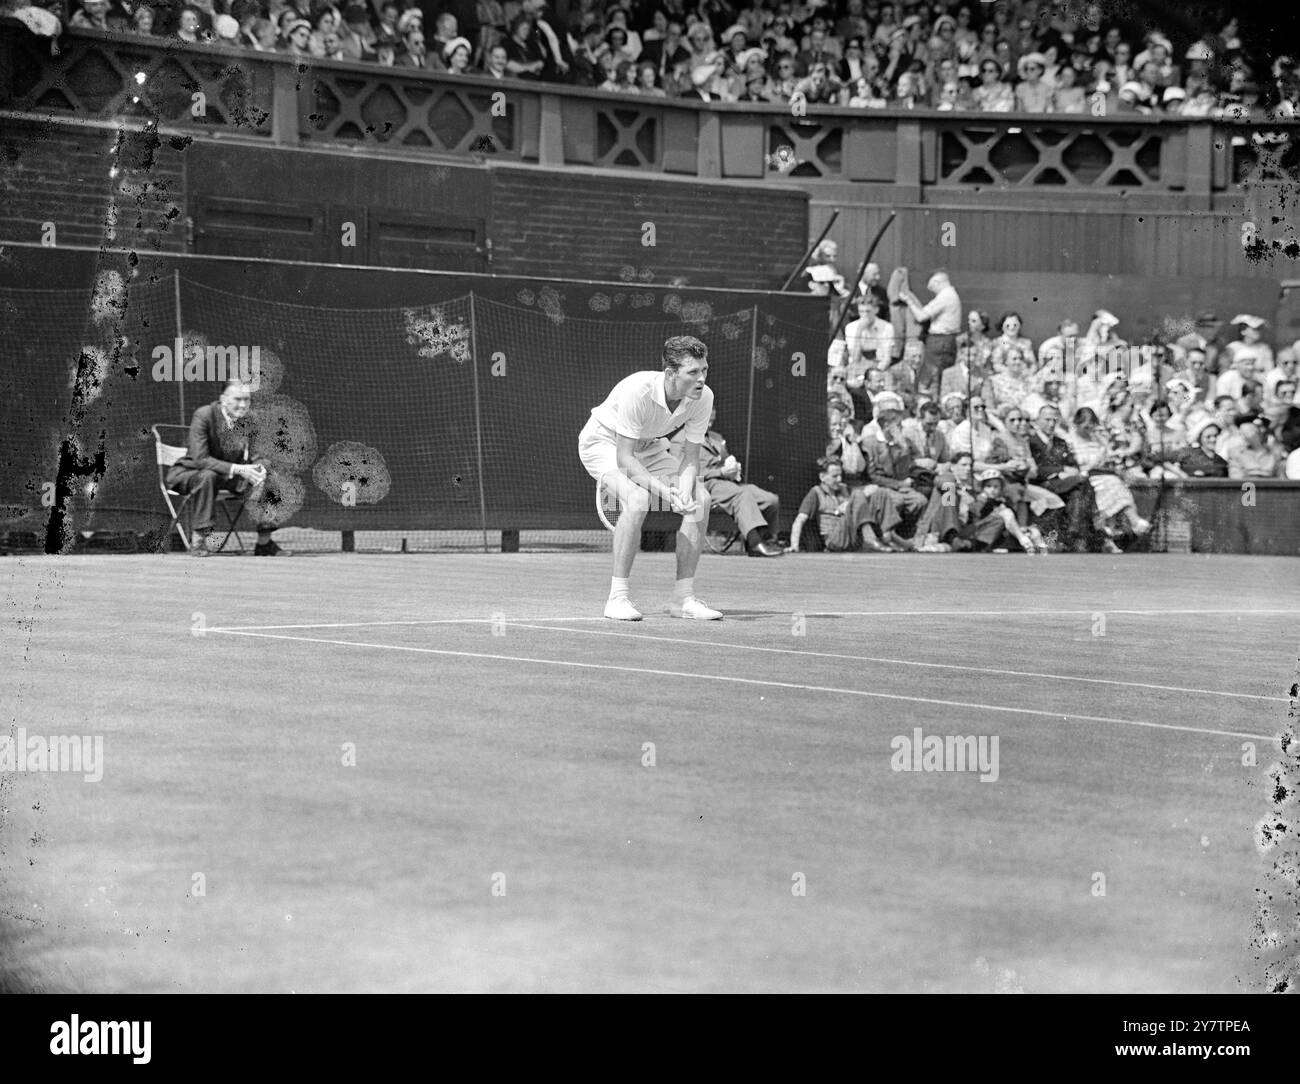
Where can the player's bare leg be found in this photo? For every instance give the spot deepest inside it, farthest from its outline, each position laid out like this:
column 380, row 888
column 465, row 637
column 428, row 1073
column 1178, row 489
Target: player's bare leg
column 690, row 537
column 634, row 503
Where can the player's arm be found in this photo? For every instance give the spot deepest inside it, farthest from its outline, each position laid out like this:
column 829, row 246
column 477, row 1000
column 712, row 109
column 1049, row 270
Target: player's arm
column 690, row 470
column 631, row 468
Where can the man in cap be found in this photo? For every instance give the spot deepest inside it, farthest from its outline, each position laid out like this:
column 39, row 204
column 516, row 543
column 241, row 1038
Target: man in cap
column 891, row 460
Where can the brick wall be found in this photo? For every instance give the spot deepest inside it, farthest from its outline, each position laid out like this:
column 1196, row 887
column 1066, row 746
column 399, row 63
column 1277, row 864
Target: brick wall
column 60, row 174
column 554, row 224
column 568, row 225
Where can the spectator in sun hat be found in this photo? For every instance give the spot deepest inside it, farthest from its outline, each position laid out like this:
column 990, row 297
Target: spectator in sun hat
column 1250, row 340
column 411, row 17
column 297, row 36
column 1033, row 94
column 1199, row 459
column 456, row 55
column 1134, row 97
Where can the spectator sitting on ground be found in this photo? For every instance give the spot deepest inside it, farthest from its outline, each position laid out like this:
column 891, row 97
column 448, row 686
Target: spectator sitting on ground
column 755, row 511
column 826, row 504
column 890, row 465
column 1116, row 508
column 948, row 508
column 1070, row 528
column 992, row 524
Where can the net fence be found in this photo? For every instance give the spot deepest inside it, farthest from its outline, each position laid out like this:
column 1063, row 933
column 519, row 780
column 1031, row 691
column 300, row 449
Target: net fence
column 450, row 425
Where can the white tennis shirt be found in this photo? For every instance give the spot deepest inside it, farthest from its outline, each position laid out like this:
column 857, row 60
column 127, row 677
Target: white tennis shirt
column 637, row 407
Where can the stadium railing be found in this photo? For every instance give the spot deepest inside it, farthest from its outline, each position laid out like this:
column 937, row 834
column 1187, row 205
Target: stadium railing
column 283, row 100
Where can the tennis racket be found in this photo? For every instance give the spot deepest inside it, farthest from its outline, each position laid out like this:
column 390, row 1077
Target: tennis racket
column 609, row 507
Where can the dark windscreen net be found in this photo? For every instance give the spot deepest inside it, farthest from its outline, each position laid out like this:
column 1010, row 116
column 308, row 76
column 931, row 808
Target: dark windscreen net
column 460, row 415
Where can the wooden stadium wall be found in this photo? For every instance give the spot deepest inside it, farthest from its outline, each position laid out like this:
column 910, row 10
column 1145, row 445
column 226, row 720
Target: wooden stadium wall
column 1050, row 263
column 178, row 194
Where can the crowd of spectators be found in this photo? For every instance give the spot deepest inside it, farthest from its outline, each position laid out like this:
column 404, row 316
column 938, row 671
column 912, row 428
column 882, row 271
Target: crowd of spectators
column 1033, row 446
column 1033, row 56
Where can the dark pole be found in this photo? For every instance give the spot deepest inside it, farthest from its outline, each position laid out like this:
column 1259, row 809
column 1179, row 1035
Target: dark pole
column 862, row 269
column 811, row 249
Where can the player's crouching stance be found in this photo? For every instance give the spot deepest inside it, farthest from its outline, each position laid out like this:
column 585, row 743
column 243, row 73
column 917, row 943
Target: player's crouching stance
column 624, row 446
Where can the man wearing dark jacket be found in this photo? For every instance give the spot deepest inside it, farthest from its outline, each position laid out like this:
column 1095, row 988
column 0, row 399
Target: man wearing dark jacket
column 219, row 457
column 755, row 510
column 1059, row 472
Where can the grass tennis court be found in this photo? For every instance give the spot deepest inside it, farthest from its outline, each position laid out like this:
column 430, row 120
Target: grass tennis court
column 499, row 729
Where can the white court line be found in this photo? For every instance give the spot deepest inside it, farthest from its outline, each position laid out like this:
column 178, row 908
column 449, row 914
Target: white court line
column 904, row 662
column 749, row 681
column 782, row 614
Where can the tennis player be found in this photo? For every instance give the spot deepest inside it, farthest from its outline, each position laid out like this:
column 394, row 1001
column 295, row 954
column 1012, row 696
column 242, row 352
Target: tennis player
column 624, row 445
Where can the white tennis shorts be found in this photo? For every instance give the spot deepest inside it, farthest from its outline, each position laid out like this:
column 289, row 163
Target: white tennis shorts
column 598, row 450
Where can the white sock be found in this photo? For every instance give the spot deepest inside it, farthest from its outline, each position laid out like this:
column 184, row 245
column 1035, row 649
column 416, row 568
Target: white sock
column 684, row 589
column 618, row 588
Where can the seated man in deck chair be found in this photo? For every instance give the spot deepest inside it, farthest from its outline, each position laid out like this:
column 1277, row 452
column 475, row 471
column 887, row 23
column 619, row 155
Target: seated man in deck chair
column 219, row 458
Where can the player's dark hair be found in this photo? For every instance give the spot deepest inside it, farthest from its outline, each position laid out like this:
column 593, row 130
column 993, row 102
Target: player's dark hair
column 682, row 348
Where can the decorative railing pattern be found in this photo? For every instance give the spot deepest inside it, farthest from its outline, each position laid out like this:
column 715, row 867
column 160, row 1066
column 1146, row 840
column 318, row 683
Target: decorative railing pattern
column 98, row 76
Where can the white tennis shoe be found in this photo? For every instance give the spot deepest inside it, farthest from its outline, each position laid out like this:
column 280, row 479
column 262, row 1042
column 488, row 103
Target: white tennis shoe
column 693, row 608
column 621, row 609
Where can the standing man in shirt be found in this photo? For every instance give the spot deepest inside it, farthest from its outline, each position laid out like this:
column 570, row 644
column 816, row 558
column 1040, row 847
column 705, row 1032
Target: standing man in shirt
column 624, row 446
column 942, row 317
